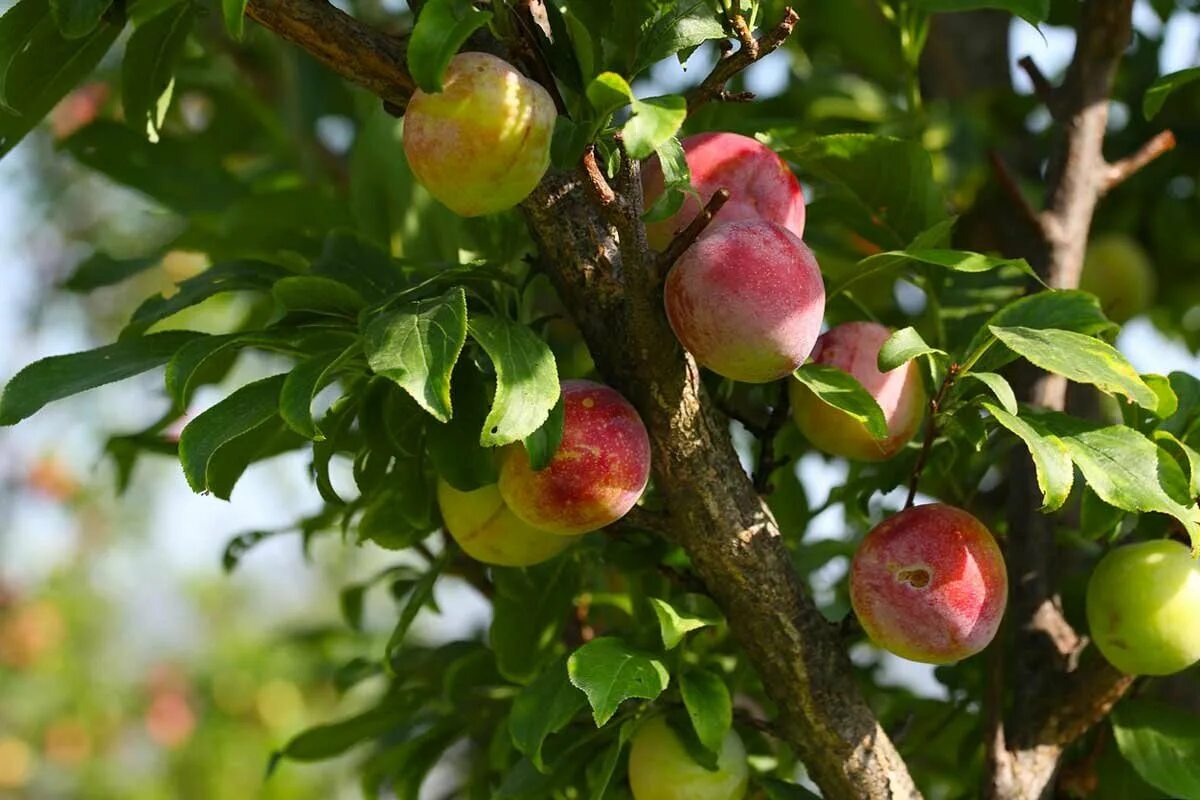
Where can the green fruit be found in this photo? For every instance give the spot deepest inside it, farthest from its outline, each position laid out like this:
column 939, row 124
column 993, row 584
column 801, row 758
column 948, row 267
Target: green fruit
column 487, row 531
column 1143, row 607
column 1118, row 271
column 660, row 767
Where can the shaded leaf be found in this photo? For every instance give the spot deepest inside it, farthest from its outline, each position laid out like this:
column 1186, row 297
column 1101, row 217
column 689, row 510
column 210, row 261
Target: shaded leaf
column 1055, row 473
column 840, row 390
column 543, row 707
column 709, row 707
column 442, row 28
column 526, row 379
column 242, row 412
column 610, row 672
column 1163, row 744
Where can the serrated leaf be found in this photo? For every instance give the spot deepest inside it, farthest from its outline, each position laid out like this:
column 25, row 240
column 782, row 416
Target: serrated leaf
column 78, row 18
column 999, row 387
column 230, row 276
column 610, row 672
column 674, row 622
column 840, row 390
column 1190, row 456
column 1163, row 744
column 417, row 346
column 99, row 270
column 57, row 377
column 655, row 120
column 1080, row 358
column 526, row 379
column 148, row 70
column 709, row 707
column 442, row 28
column 685, row 26
column 43, row 71
column 1158, row 92
column 1069, row 310
column 1052, row 460
column 234, row 14
column 242, row 412
column 543, row 707
column 302, row 384
column 903, row 346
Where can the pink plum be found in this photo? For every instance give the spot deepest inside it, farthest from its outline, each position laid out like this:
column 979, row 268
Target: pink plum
column 759, row 182
column 487, row 531
column 482, row 144
column 598, row 473
column 853, row 347
column 747, row 300
column 930, row 584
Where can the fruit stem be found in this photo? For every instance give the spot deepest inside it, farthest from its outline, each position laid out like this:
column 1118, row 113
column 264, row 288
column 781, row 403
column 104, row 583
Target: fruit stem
column 931, row 431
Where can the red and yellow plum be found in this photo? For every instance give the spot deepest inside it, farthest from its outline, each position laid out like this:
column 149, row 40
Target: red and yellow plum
column 596, row 476
column 929, row 584
column 487, row 531
column 747, row 301
column 482, row 144
column 760, row 185
column 853, row 347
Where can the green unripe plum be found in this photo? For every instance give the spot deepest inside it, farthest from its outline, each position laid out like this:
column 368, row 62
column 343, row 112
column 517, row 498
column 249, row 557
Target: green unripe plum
column 487, row 531
column 1118, row 271
column 481, row 144
column 660, row 767
column 1143, row 608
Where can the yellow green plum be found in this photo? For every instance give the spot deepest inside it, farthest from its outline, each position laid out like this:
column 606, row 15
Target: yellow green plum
column 660, row 767
column 488, row 532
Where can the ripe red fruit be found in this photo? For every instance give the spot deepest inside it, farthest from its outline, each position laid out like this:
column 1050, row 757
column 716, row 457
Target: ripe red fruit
column 930, row 584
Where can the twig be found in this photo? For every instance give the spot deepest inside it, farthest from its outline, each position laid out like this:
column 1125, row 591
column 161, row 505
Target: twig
column 747, row 720
column 688, row 236
column 685, row 580
column 1010, row 185
column 757, row 428
column 931, row 432
column 1123, row 170
column 640, row 519
column 1042, row 86
column 766, row 463
column 534, row 57
column 597, row 182
column 733, row 62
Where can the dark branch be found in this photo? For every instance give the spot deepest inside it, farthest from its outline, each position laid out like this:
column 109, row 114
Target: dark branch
column 766, row 463
column 1042, row 87
column 733, row 62
column 688, row 236
column 1012, row 188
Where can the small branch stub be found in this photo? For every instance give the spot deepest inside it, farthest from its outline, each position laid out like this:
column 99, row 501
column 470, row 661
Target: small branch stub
column 688, row 236
column 1126, row 168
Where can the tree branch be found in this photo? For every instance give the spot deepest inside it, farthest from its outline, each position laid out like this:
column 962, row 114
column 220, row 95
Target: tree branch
column 688, row 236
column 359, row 53
column 734, row 61
column 1124, row 169
column 1053, row 702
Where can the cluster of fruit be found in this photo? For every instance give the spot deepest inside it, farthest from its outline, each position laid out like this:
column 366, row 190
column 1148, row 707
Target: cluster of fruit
column 747, row 300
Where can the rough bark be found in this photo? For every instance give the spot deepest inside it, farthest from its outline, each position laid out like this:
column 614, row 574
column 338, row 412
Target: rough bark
column 604, row 272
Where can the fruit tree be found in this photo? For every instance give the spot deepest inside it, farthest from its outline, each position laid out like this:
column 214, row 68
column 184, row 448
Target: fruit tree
column 559, row 311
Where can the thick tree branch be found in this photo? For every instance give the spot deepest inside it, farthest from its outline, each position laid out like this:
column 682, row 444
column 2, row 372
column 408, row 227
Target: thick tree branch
column 598, row 258
column 357, row 52
column 1052, row 701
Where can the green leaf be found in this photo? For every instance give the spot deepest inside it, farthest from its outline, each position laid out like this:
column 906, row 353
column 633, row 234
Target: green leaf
column 999, row 387
column 207, row 359
column 360, row 265
column 889, row 180
column 78, row 18
column 1157, row 94
column 840, row 390
column 526, row 379
column 528, row 613
column 903, row 346
column 543, row 707
column 674, row 623
column 234, row 14
column 543, row 443
column 401, row 514
column 1063, row 310
column 231, row 276
column 454, row 446
column 57, row 377
column 954, row 260
column 1163, row 744
column 318, row 295
column 326, row 741
column 417, row 346
column 421, row 594
column 1032, row 11
column 1168, row 401
column 1187, row 391
column 781, row 790
column 1190, row 457
column 443, row 26
column 689, row 24
column 17, row 24
column 708, row 705
column 241, row 413
column 610, row 672
column 1055, row 474
column 677, row 181
column 1124, row 468
column 42, row 71
column 655, row 121
column 1080, row 358
column 148, row 71
column 99, row 270
column 302, row 384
